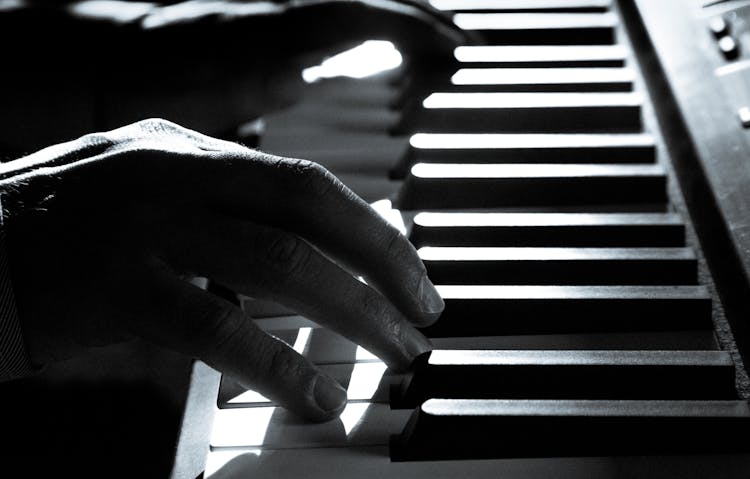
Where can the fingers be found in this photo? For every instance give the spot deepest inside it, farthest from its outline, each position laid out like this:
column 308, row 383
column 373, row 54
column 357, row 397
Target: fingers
column 185, row 318
column 271, row 264
column 318, row 24
column 304, row 198
column 293, row 195
column 300, row 197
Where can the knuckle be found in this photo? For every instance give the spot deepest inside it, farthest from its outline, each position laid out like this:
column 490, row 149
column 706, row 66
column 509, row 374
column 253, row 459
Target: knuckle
column 91, row 145
column 398, row 249
column 395, row 331
column 157, row 125
column 286, row 253
column 387, row 323
column 273, row 360
column 209, row 332
column 97, row 141
column 374, row 307
column 310, row 178
column 394, row 243
column 281, row 362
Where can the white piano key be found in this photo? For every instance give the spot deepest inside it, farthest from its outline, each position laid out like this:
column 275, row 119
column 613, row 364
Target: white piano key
column 363, row 381
column 375, row 463
column 529, row 100
column 447, row 219
column 547, row 229
column 474, row 170
column 366, row 380
column 570, row 292
column 323, row 346
column 361, row 424
column 537, row 76
column 529, row 148
column 469, row 5
column 533, row 21
column 452, row 186
column 457, row 253
column 501, row 141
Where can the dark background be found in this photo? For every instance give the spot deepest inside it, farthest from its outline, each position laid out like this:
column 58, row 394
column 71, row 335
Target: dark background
column 113, row 412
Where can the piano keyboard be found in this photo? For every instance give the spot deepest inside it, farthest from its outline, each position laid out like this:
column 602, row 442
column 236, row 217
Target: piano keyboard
column 578, row 336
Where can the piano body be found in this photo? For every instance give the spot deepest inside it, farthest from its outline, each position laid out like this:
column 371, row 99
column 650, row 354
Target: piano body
column 578, row 189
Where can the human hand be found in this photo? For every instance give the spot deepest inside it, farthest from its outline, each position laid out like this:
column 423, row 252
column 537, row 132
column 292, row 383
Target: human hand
column 281, row 28
column 208, row 65
column 102, row 230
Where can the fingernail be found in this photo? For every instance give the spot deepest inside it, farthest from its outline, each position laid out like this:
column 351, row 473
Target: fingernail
column 417, row 344
column 429, row 299
column 329, row 395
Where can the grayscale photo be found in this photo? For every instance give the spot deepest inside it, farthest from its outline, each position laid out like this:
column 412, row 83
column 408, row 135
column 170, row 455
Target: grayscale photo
column 402, row 239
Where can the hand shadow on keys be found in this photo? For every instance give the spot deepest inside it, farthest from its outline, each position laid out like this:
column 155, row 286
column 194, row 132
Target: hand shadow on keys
column 259, row 463
column 284, row 430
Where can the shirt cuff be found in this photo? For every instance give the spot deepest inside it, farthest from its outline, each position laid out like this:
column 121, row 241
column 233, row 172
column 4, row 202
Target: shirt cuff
column 14, row 359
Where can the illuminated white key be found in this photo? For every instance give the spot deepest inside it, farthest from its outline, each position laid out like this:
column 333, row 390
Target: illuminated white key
column 557, row 5
column 447, row 170
column 364, row 381
column 360, row 424
column 531, row 148
column 533, row 21
column 548, row 254
column 470, row 186
column 500, row 141
column 547, row 229
column 547, row 79
column 544, row 219
column 541, row 28
column 503, row 112
column 571, row 292
column 529, row 100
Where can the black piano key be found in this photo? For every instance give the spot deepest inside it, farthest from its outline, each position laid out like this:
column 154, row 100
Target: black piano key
column 449, row 186
column 498, row 112
column 417, row 85
column 518, row 6
column 518, row 310
column 503, row 374
column 496, row 428
column 672, row 340
column 540, row 56
column 541, row 28
column 541, row 80
column 559, row 266
column 547, row 229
